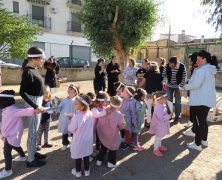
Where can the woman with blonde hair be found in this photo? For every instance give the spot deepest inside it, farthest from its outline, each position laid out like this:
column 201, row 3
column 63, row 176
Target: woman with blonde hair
column 129, row 73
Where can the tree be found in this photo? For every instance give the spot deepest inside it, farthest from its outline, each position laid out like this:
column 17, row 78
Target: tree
column 215, row 9
column 116, row 26
column 15, row 34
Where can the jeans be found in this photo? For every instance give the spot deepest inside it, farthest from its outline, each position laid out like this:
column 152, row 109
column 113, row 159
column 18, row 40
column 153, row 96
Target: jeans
column 176, row 92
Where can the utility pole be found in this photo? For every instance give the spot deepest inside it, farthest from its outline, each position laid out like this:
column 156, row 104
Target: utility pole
column 168, row 42
column 70, row 53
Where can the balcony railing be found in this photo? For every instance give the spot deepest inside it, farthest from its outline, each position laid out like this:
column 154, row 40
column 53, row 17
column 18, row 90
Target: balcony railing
column 74, row 26
column 75, row 2
column 42, row 21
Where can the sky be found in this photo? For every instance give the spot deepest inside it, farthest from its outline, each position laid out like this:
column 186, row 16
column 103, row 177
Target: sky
column 185, row 14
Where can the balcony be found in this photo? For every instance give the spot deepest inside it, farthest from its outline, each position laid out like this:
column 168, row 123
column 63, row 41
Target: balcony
column 74, row 26
column 41, row 2
column 42, row 21
column 75, row 2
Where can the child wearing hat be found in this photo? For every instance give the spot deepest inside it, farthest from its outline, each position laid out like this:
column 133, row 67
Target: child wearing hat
column 12, row 129
column 160, row 125
column 108, row 129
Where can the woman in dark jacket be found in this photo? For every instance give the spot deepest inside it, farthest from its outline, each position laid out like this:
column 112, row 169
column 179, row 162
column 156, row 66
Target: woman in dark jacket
column 52, row 69
column 113, row 71
column 99, row 80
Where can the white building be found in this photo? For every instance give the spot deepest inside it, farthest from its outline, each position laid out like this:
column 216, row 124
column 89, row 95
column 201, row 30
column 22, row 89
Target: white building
column 61, row 27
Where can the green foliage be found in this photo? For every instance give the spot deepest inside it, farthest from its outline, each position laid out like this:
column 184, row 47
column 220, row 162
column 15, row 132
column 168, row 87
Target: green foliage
column 215, row 9
column 136, row 22
column 15, row 34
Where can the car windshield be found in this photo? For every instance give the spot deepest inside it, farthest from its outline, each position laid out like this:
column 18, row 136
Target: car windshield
column 2, row 62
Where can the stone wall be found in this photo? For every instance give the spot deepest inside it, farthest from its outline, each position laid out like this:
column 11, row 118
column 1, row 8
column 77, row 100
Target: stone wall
column 12, row 76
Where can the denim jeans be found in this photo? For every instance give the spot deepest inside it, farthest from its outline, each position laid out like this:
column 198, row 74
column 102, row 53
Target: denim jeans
column 176, row 92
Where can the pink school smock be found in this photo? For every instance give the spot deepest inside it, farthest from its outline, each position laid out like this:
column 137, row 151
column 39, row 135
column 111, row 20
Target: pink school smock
column 12, row 125
column 81, row 127
column 108, row 129
column 160, row 125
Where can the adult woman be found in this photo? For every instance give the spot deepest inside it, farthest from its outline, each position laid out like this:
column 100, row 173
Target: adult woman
column 31, row 90
column 129, row 73
column 142, row 70
column 152, row 82
column 99, row 80
column 202, row 97
column 161, row 63
column 52, row 69
column 113, row 71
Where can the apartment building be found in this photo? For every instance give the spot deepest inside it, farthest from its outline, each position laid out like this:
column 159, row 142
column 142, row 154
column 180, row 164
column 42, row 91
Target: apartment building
column 62, row 30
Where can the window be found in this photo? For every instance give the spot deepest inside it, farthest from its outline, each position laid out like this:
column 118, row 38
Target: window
column 16, row 7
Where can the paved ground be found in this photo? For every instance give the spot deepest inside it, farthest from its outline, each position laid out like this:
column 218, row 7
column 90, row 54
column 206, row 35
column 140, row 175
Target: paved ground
column 178, row 163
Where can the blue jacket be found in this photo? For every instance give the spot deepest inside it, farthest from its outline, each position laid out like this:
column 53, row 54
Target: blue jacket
column 202, row 86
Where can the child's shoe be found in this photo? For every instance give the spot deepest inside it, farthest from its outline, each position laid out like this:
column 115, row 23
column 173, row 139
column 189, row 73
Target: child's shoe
column 87, row 173
column 4, row 173
column 47, row 145
column 205, row 143
column 74, row 171
column 163, row 148
column 138, row 148
column 78, row 174
column 98, row 163
column 157, row 153
column 64, row 148
column 19, row 158
column 111, row 165
column 124, row 146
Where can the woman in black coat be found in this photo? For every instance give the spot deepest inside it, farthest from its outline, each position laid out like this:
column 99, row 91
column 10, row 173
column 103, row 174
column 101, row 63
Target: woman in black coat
column 52, row 69
column 99, row 80
column 113, row 71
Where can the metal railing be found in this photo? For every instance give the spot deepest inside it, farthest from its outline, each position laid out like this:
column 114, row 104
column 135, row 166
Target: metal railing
column 74, row 26
column 75, row 2
column 42, row 21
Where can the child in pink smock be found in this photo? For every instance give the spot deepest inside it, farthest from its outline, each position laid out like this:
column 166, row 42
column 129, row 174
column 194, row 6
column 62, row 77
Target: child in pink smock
column 81, row 127
column 12, row 129
column 108, row 129
column 160, row 125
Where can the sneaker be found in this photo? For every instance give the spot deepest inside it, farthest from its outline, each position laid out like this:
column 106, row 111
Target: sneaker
column 193, row 145
column 4, row 173
column 74, row 171
column 40, row 156
column 35, row 163
column 157, row 153
column 87, row 173
column 64, row 148
column 163, row 148
column 78, row 174
column 138, row 148
column 189, row 132
column 205, row 143
column 47, row 145
column 38, row 147
column 98, row 163
column 111, row 165
column 188, row 124
column 19, row 158
column 124, row 146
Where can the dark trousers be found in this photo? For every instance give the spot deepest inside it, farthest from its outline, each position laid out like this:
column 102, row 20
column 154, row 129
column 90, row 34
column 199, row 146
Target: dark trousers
column 98, row 143
column 65, row 140
column 79, row 162
column 43, row 128
column 198, row 115
column 111, row 154
column 8, row 154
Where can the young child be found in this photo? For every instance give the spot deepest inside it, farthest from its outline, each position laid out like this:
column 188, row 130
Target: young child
column 66, row 107
column 118, row 86
column 12, row 129
column 129, row 111
column 139, row 97
column 160, row 125
column 45, row 120
column 81, row 127
column 102, row 101
column 108, row 129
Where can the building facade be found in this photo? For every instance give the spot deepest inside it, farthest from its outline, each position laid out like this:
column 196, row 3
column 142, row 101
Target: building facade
column 62, row 30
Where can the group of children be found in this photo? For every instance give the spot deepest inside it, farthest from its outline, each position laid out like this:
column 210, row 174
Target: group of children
column 114, row 122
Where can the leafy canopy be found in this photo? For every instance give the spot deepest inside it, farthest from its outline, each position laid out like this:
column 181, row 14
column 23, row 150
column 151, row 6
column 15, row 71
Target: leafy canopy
column 215, row 9
column 15, row 34
column 135, row 23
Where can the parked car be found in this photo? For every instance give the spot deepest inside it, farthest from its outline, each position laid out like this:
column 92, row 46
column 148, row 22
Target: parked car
column 4, row 64
column 67, row 62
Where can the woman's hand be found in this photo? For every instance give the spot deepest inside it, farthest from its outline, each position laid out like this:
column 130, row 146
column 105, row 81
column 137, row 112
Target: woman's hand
column 40, row 110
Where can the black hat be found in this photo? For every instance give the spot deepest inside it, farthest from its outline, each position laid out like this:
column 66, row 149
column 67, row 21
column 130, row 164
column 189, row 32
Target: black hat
column 6, row 98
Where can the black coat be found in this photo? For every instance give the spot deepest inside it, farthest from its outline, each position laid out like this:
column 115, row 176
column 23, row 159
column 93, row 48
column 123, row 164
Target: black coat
column 50, row 77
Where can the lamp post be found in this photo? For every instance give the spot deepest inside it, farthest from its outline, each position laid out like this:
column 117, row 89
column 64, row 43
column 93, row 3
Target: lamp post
column 70, row 53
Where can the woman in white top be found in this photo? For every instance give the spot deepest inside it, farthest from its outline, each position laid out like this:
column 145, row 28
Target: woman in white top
column 129, row 73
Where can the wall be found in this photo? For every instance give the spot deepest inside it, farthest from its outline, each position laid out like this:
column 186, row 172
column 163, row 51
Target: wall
column 12, row 76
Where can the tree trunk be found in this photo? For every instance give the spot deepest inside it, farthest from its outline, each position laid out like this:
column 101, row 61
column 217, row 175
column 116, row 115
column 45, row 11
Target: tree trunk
column 119, row 49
